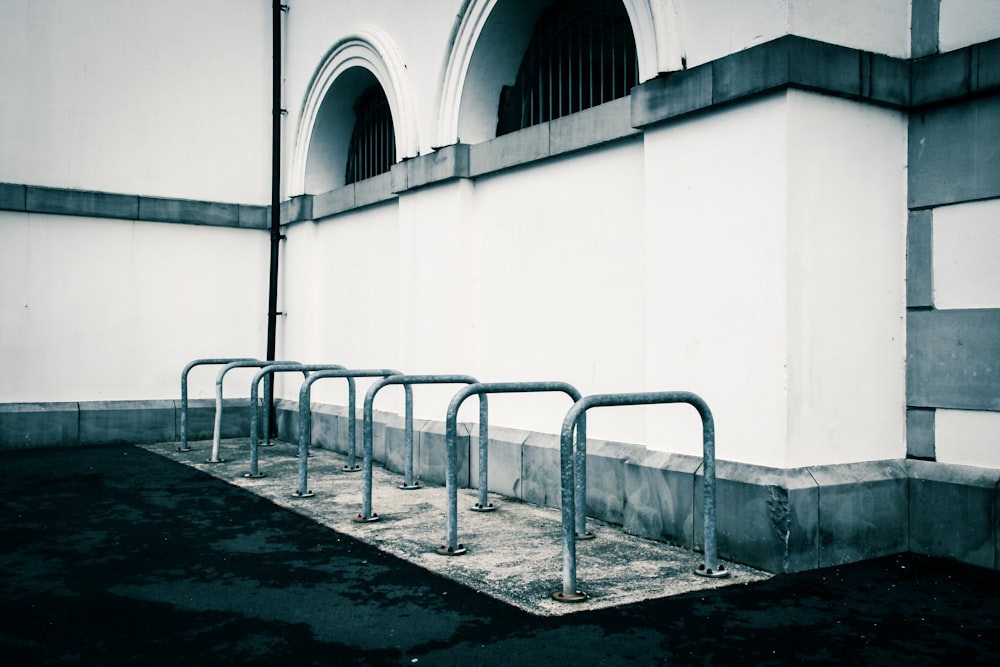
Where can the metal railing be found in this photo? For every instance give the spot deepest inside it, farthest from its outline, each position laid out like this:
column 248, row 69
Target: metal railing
column 366, row 514
column 266, row 373
column 249, row 363
column 452, row 547
column 577, row 413
column 184, row 447
column 305, row 418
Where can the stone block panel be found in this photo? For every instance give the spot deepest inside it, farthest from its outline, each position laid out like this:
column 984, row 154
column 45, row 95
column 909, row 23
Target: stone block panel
column 540, row 474
column 12, row 197
column 767, row 518
column 189, row 212
column 862, row 511
column 25, row 425
column 606, row 464
column 127, row 422
column 955, row 153
column 431, row 465
column 79, row 202
column 920, row 433
column 659, row 497
column 952, row 512
column 510, row 150
column 953, row 359
column 919, row 260
column 504, row 460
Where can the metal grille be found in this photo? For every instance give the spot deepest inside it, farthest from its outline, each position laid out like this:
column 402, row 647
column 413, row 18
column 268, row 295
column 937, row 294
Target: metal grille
column 581, row 54
column 373, row 141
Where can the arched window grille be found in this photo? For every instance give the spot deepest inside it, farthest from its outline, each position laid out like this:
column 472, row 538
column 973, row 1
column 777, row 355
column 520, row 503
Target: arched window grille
column 581, row 54
column 373, row 141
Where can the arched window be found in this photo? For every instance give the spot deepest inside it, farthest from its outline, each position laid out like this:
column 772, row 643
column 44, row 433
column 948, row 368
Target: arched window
column 582, row 54
column 372, row 150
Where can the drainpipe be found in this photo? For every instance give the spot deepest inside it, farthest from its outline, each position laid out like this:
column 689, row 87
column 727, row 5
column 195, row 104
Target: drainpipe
column 276, row 237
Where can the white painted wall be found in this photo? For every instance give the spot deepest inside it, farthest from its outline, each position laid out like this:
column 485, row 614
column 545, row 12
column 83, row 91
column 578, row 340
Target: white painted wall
column 965, row 22
column 562, row 260
column 772, row 294
column 716, row 278
column 967, row 437
column 846, row 281
column 113, row 309
column 154, row 98
column 881, row 26
column 340, row 290
column 966, row 242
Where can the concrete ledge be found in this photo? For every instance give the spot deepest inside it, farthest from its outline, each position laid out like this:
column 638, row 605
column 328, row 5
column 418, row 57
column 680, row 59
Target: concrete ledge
column 862, row 511
column 430, row 463
column 112, row 422
column 333, row 202
column 511, row 150
column 504, row 466
column 374, row 190
column 786, row 62
column 768, row 516
column 297, row 209
column 592, row 127
column 953, row 512
column 974, row 70
column 540, row 476
column 659, row 497
column 24, row 425
column 13, row 197
column 189, row 212
column 79, row 202
column 201, row 418
column 254, row 217
column 443, row 165
column 606, row 464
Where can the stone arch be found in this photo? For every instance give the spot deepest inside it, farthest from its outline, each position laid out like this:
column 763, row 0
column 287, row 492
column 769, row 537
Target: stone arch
column 326, row 119
column 488, row 39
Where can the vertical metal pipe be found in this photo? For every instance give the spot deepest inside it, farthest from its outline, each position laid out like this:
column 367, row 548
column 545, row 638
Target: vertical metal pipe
column 184, row 447
column 451, row 545
column 272, row 292
column 569, row 593
column 484, row 455
column 366, row 482
column 580, row 468
column 305, row 415
column 352, row 463
column 217, row 434
column 408, row 438
column 711, row 566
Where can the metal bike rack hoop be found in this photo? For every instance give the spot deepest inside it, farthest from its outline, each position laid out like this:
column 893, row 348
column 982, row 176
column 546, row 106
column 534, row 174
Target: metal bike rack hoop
column 305, row 418
column 711, row 566
column 452, row 546
column 267, row 373
column 184, row 447
column 407, row 381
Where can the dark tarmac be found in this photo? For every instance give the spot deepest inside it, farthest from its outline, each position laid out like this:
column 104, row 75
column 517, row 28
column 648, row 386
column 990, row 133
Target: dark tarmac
column 118, row 556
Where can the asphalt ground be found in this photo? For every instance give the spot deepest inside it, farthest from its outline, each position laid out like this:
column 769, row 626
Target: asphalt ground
column 119, row 556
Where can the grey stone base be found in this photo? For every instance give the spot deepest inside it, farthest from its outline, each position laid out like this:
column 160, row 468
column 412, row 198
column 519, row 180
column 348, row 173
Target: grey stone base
column 772, row 519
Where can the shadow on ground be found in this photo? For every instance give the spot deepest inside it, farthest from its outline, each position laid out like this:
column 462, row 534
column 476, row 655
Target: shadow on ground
column 114, row 555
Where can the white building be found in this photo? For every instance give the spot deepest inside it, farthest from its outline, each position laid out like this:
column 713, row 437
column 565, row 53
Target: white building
column 789, row 207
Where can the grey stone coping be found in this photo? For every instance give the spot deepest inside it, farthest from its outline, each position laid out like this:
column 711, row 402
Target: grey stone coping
column 13, row 197
column 63, row 201
column 787, row 62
